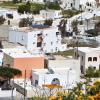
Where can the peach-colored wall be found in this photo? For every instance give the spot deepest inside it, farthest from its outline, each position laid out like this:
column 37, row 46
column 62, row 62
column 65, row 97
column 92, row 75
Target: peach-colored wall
column 28, row 64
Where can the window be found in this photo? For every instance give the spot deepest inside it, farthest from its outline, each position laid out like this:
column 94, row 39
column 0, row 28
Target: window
column 89, row 58
column 94, row 58
column 36, row 82
column 51, row 43
column 55, row 81
column 82, row 69
column 46, row 34
column 82, row 58
column 39, row 44
column 71, row 5
column 39, row 34
column 57, row 33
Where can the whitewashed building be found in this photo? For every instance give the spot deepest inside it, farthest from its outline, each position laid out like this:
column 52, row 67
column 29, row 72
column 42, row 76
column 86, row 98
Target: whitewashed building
column 51, row 14
column 62, row 76
column 57, row 61
column 70, row 4
column 89, row 5
column 89, row 57
column 46, row 40
column 7, row 94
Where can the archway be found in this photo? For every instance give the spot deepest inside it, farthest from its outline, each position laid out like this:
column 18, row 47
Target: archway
column 55, row 81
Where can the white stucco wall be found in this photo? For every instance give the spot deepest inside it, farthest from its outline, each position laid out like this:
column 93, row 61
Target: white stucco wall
column 51, row 42
column 66, row 79
column 84, row 59
column 7, row 93
column 67, row 4
column 73, row 64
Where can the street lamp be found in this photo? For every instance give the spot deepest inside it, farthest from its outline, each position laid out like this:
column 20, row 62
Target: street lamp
column 25, row 85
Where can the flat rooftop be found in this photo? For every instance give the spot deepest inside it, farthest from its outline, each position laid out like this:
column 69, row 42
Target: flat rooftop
column 59, row 71
column 30, row 29
column 88, row 49
column 20, row 53
column 58, row 57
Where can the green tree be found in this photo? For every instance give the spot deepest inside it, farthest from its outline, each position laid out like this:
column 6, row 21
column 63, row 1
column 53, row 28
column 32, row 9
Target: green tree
column 23, row 22
column 2, row 20
column 15, row 1
column 35, row 8
column 62, row 27
column 8, row 73
column 21, row 8
column 31, row 8
column 48, row 22
column 89, row 72
column 97, row 27
column 53, row 6
column 74, row 25
column 69, row 13
column 24, row 8
column 92, row 73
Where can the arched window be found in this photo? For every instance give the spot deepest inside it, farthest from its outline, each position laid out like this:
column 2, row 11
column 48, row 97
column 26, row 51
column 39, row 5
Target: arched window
column 55, row 81
column 94, row 58
column 89, row 58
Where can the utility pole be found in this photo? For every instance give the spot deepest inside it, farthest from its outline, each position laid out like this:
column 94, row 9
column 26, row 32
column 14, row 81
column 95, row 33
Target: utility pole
column 77, row 49
column 12, row 87
column 25, row 85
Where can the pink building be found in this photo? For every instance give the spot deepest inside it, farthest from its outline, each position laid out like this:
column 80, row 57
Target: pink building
column 23, row 60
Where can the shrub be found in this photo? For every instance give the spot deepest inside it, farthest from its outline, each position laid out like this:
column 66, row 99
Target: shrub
column 48, row 22
column 92, row 73
column 2, row 20
column 31, row 8
column 35, row 8
column 23, row 22
column 24, row 8
column 53, row 6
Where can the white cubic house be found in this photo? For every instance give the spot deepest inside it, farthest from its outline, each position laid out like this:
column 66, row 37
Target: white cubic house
column 42, row 40
column 70, row 4
column 89, row 57
column 60, row 70
column 88, row 4
column 51, row 14
column 60, row 76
